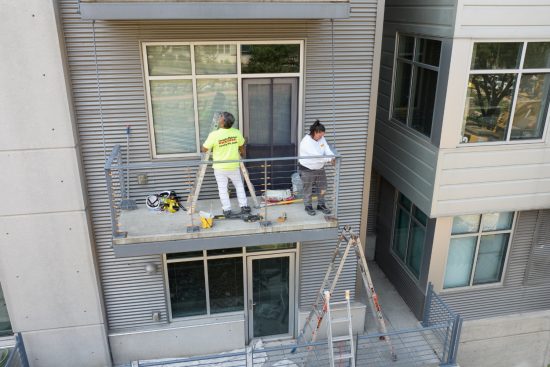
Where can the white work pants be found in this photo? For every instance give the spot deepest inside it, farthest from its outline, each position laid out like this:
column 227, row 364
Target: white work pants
column 222, row 180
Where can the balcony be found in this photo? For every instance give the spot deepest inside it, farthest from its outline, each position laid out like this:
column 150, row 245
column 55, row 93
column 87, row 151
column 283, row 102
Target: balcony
column 274, row 195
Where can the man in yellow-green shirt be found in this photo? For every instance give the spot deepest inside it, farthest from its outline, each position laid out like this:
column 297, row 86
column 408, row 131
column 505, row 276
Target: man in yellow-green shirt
column 227, row 144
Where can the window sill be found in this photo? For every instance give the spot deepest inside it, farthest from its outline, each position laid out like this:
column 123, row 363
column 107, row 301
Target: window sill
column 417, row 134
column 515, row 143
column 472, row 288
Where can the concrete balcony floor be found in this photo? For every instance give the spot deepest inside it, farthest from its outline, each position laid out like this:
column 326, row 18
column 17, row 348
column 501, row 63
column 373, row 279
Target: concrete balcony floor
column 144, row 225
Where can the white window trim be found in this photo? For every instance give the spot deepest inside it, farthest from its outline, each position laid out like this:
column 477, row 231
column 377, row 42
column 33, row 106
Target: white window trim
column 412, row 85
column 238, row 76
column 243, row 255
column 478, row 234
column 392, row 252
column 518, row 71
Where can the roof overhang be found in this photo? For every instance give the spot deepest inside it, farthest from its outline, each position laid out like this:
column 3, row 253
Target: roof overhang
column 204, row 10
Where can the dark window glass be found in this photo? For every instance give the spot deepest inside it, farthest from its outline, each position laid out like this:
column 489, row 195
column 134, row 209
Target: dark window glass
column 405, row 48
column 488, row 107
column 184, row 255
column 401, row 91
column 270, row 59
column 277, row 246
column 403, row 200
column 504, row 55
column 531, row 107
column 490, row 258
column 401, row 233
column 416, row 248
column 187, row 288
column 225, row 282
column 5, row 325
column 424, row 100
column 225, row 251
column 537, row 55
column 428, row 52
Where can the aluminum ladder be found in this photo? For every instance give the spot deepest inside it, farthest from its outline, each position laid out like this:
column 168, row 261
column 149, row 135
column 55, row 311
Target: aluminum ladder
column 335, row 342
column 347, row 241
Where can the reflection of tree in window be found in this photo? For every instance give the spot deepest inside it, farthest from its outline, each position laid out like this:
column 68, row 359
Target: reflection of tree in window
column 270, row 59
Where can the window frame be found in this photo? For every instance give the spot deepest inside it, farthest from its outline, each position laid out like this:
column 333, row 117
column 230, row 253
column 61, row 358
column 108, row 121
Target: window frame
column 238, row 76
column 518, row 72
column 478, row 235
column 412, row 85
column 397, row 206
column 205, row 257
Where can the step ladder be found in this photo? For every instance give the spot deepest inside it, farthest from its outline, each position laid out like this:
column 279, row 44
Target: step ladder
column 347, row 241
column 334, row 343
column 196, row 188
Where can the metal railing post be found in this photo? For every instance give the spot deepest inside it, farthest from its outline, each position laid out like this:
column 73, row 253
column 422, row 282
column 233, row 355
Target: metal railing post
column 22, row 350
column 121, row 180
column 109, row 183
column 428, row 305
column 455, row 339
column 336, row 187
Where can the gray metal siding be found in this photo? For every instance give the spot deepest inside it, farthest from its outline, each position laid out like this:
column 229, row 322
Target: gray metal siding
column 131, row 295
column 514, row 296
column 538, row 267
column 404, row 157
column 409, row 289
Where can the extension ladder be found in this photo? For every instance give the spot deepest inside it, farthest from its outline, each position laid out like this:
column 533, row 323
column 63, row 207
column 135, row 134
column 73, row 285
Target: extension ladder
column 348, row 354
column 347, row 241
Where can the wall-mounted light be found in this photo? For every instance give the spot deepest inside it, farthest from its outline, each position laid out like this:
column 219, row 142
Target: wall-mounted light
column 155, row 315
column 150, row 268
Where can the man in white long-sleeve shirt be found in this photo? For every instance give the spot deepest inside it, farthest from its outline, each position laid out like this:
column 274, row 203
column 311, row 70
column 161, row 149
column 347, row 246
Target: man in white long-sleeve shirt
column 312, row 169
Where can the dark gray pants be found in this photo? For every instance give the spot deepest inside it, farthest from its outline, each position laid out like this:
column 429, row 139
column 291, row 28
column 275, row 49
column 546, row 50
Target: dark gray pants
column 309, row 178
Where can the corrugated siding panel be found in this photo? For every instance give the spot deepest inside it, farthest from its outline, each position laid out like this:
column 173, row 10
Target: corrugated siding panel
column 131, row 295
column 538, row 268
column 514, row 296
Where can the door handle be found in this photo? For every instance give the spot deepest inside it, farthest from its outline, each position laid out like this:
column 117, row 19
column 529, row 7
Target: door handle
column 251, row 304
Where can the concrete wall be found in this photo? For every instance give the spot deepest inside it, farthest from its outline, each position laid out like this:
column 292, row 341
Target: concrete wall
column 46, row 262
column 521, row 340
column 218, row 335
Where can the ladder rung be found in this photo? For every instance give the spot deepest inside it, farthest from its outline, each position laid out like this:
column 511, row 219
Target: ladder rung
column 343, row 356
column 340, row 319
column 341, row 338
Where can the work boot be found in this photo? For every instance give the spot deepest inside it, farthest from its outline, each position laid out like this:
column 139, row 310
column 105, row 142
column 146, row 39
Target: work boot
column 309, row 210
column 227, row 213
column 323, row 208
column 245, row 209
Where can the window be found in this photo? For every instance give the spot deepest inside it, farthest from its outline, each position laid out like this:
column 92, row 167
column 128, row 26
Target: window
column 210, row 282
column 409, row 234
column 205, row 282
column 415, row 82
column 5, row 325
column 188, row 82
column 478, row 248
column 508, row 92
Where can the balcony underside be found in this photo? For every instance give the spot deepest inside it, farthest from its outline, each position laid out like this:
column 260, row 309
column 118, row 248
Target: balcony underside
column 234, row 10
column 150, row 232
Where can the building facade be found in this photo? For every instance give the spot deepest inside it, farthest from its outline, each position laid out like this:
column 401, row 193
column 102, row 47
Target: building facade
column 163, row 73
column 461, row 155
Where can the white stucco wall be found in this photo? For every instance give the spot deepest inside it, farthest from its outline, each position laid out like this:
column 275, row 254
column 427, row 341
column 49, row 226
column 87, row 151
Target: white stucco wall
column 47, row 269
